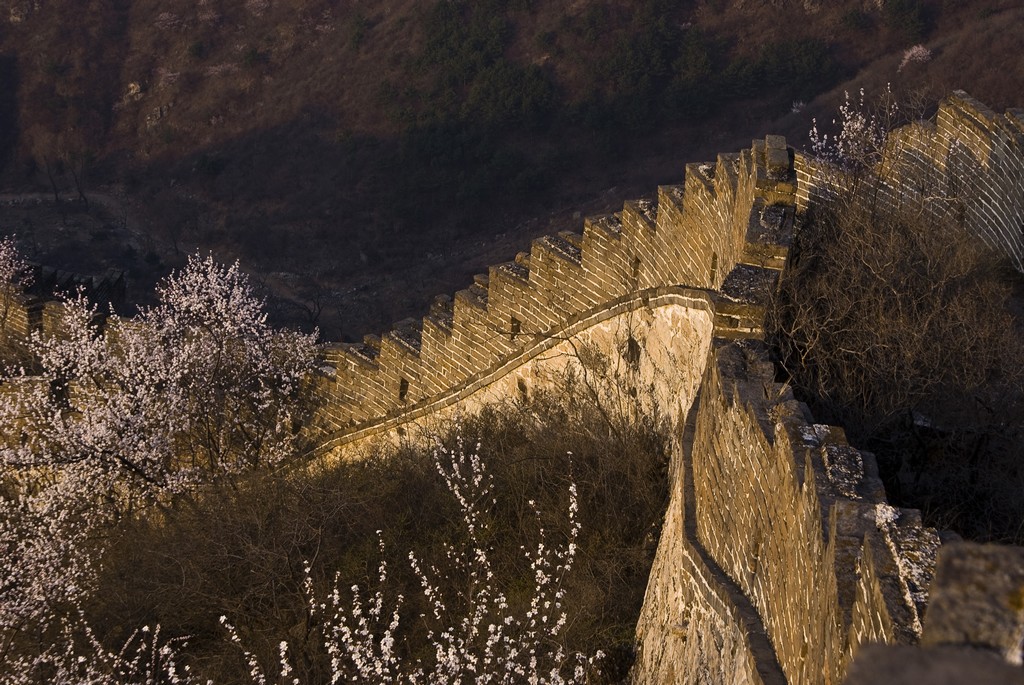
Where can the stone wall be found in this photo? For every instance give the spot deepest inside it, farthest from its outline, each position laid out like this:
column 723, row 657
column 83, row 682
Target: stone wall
column 779, row 557
column 765, row 503
column 692, row 235
column 792, row 514
column 22, row 315
column 639, row 352
column 968, row 164
column 36, row 310
column 690, row 630
column 779, row 549
column 17, row 313
column 974, row 629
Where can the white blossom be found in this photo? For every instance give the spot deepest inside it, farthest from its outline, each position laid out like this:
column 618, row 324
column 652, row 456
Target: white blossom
column 475, row 635
column 195, row 389
column 862, row 134
column 917, row 53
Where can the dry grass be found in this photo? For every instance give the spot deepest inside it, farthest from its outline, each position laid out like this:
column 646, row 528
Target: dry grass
column 240, row 553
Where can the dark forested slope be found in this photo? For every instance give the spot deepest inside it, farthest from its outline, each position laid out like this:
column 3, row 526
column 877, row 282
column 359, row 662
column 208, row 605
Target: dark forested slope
column 361, row 156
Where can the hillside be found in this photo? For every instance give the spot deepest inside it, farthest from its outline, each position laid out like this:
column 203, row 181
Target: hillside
column 361, row 157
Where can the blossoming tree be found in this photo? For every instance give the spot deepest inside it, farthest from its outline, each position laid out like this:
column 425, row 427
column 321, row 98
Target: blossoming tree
column 196, row 389
column 13, row 277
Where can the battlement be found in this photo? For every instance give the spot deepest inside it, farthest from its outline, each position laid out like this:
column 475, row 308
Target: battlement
column 25, row 314
column 780, row 557
column 692, row 234
column 34, row 310
column 969, row 163
column 785, row 548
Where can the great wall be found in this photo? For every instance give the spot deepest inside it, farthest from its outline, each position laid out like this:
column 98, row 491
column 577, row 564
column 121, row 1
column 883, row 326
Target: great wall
column 780, row 559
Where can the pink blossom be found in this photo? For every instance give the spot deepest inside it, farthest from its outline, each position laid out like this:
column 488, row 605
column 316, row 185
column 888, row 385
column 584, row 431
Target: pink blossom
column 917, row 53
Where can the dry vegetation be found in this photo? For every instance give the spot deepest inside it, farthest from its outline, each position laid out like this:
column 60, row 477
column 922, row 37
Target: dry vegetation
column 903, row 327
column 156, row 476
column 240, row 552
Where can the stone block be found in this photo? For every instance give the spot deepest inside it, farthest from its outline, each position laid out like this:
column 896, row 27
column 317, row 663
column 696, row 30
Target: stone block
column 977, row 599
column 901, row 665
column 778, row 163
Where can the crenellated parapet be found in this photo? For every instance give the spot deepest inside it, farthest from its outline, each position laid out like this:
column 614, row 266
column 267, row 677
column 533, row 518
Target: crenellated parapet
column 692, row 234
column 22, row 314
column 968, row 163
column 780, row 557
column 37, row 309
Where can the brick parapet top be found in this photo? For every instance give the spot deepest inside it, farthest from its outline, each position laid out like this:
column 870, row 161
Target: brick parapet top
column 696, row 242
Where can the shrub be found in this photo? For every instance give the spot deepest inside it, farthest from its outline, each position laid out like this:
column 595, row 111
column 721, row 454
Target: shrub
column 918, row 53
column 239, row 552
column 856, row 19
column 508, row 94
column 254, row 57
column 902, row 330
column 358, row 28
column 803, row 67
column 116, row 426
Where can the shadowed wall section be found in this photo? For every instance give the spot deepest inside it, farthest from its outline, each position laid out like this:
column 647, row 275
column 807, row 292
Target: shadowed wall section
column 968, row 163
